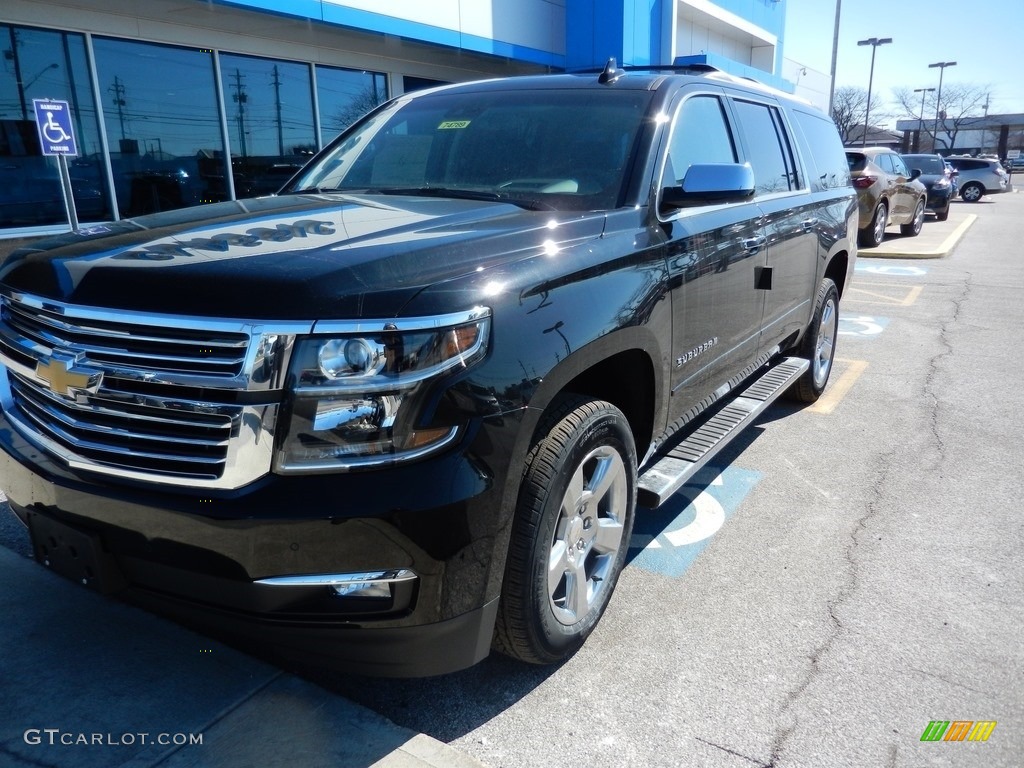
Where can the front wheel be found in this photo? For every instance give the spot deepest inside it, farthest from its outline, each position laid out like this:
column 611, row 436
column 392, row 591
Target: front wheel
column 913, row 229
column 819, row 345
column 571, row 533
column 971, row 193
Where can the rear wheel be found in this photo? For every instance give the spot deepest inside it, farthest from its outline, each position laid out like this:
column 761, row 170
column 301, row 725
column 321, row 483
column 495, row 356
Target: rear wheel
column 874, row 234
column 819, row 345
column 571, row 532
column 913, row 229
column 971, row 192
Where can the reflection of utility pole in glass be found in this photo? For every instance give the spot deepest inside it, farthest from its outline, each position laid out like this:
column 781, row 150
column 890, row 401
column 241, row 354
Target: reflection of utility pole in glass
column 938, row 98
column 920, row 120
column 240, row 98
column 276, row 82
column 11, row 55
column 118, row 90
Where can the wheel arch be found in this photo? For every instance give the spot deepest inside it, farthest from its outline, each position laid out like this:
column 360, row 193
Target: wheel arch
column 621, row 369
column 838, row 270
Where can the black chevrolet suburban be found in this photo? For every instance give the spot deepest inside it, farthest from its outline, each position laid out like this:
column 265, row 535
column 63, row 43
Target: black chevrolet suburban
column 406, row 409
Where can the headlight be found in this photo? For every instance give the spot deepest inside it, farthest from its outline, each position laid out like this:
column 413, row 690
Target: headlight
column 359, row 389
column 940, row 184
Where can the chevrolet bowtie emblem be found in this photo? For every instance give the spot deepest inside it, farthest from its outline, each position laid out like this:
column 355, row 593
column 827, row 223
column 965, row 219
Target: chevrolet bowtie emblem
column 63, row 376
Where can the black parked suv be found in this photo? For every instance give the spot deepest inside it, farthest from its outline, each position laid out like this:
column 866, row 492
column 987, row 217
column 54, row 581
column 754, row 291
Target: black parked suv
column 408, row 406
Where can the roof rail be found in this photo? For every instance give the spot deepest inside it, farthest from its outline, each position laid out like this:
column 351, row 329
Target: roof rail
column 612, row 68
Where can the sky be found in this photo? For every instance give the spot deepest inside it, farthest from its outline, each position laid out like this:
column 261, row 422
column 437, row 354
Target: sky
column 984, row 37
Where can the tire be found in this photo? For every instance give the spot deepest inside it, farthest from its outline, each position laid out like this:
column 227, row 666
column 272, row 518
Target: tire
column 971, row 192
column 913, row 229
column 571, row 531
column 819, row 345
column 872, row 236
column 943, row 214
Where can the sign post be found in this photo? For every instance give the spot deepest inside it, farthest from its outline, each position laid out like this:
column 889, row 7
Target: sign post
column 57, row 138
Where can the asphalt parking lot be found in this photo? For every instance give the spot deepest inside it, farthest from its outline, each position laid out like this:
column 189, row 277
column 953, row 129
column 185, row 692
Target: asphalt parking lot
column 848, row 573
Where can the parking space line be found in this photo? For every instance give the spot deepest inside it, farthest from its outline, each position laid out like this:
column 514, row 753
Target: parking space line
column 909, row 295
column 838, row 390
column 949, row 242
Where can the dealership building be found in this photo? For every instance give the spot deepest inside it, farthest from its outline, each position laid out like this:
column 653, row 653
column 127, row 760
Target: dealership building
column 175, row 103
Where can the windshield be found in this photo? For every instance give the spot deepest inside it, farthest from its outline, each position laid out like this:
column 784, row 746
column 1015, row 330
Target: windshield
column 561, row 149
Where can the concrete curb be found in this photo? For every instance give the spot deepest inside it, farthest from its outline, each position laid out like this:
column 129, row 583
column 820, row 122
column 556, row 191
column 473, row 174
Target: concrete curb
column 87, row 682
column 920, row 247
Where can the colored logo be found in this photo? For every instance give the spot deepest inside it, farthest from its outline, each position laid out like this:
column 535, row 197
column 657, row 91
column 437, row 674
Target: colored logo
column 958, row 730
column 63, row 375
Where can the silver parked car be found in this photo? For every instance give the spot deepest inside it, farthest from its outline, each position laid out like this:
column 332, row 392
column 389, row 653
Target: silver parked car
column 979, row 176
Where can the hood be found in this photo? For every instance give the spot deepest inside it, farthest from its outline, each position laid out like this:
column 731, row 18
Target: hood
column 291, row 257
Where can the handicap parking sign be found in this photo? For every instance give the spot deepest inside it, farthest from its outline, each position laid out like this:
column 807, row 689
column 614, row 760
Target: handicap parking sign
column 53, row 120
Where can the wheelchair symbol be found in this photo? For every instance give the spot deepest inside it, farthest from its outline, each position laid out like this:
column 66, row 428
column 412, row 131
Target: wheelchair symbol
column 53, row 132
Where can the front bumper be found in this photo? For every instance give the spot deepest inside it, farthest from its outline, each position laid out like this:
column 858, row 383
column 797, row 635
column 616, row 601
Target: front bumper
column 938, row 199
column 225, row 562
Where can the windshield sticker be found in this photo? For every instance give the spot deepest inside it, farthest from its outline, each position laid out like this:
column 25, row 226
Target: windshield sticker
column 448, row 125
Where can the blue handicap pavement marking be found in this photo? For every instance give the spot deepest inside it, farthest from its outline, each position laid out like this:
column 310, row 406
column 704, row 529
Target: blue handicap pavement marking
column 890, row 270
column 667, row 540
column 862, row 325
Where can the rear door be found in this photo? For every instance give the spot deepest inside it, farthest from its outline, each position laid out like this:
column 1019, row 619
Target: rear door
column 785, row 281
column 904, row 196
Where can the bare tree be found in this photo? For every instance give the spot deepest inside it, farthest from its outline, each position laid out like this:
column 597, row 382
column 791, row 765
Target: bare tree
column 363, row 102
column 962, row 104
column 849, row 110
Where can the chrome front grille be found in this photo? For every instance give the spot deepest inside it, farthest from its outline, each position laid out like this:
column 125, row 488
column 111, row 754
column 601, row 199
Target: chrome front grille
column 130, row 436
column 129, row 345
column 166, row 399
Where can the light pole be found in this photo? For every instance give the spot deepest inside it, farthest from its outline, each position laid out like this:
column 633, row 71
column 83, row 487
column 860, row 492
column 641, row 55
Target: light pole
column 874, row 42
column 938, row 97
column 920, row 120
column 835, row 53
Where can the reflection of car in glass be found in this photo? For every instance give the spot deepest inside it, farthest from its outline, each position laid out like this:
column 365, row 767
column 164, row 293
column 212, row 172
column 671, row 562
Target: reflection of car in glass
column 31, row 193
column 407, row 407
column 979, row 177
column 887, row 193
column 937, row 179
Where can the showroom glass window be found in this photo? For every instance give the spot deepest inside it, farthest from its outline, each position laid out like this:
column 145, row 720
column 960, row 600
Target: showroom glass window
column 345, row 95
column 163, row 125
column 40, row 64
column 269, row 108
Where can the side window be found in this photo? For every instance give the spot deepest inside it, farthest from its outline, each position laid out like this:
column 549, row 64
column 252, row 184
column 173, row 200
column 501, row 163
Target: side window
column 700, row 135
column 831, row 166
column 884, row 161
column 768, row 147
column 899, row 166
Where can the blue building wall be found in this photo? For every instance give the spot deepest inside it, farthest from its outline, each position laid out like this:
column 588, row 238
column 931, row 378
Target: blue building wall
column 635, row 32
column 629, row 30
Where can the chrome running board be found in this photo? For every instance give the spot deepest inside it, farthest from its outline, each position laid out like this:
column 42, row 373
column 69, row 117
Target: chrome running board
column 667, row 474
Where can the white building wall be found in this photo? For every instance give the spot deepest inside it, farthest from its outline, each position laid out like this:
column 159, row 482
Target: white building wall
column 537, row 24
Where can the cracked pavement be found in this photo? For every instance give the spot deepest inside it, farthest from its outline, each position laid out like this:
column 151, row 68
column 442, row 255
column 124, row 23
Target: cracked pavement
column 869, row 583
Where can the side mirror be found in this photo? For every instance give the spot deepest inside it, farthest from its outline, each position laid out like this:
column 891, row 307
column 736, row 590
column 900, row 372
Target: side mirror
column 708, row 183
column 914, row 173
